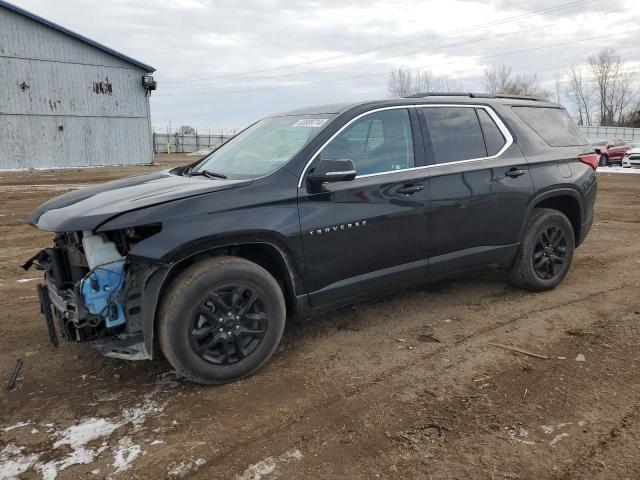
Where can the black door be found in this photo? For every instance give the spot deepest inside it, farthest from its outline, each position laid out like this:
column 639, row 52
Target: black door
column 480, row 186
column 362, row 235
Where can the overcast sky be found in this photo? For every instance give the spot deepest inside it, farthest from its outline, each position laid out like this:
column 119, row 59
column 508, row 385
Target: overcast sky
column 226, row 63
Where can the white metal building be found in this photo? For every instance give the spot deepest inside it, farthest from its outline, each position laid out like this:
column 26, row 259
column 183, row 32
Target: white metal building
column 67, row 101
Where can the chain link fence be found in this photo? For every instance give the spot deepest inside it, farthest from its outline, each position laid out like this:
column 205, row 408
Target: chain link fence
column 180, row 143
column 610, row 133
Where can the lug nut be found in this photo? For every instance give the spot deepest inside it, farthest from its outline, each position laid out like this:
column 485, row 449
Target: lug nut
column 237, row 317
column 237, row 327
column 221, row 330
column 221, row 319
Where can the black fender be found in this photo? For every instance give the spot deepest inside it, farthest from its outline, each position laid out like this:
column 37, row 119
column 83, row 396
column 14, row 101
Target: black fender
column 546, row 194
column 151, row 278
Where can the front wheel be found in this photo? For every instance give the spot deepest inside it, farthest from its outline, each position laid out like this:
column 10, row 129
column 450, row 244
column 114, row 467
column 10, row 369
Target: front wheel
column 546, row 251
column 221, row 320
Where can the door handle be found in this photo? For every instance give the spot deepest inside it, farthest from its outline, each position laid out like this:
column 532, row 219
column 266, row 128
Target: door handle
column 514, row 172
column 410, row 189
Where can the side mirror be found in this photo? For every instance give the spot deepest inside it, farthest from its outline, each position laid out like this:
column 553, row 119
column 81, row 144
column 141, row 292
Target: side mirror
column 339, row 170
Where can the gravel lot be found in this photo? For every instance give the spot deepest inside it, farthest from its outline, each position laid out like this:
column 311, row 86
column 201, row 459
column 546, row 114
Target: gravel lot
column 409, row 386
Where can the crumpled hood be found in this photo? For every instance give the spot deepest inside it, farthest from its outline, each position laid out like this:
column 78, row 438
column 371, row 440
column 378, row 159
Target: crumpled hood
column 87, row 208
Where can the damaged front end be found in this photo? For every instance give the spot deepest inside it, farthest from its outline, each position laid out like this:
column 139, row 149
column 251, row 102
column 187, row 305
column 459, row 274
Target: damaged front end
column 95, row 291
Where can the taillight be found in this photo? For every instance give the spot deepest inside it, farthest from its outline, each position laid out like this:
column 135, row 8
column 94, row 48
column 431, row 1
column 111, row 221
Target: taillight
column 590, row 159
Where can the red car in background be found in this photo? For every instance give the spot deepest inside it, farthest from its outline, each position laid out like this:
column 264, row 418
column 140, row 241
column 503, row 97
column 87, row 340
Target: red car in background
column 610, row 151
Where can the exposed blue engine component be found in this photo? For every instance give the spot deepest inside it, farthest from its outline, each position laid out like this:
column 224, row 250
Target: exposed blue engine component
column 100, row 289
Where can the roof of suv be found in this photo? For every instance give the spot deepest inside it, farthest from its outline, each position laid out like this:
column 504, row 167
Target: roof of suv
column 427, row 98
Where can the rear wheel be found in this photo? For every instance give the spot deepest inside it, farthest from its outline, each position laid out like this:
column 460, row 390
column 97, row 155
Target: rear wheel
column 546, row 251
column 604, row 161
column 221, row 320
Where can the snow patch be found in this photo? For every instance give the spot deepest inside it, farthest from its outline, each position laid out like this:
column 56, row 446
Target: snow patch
column 519, row 435
column 617, row 169
column 79, row 435
column 125, row 453
column 17, row 425
column 76, row 438
column 25, row 280
column 181, row 469
column 268, row 465
column 14, row 463
column 557, row 438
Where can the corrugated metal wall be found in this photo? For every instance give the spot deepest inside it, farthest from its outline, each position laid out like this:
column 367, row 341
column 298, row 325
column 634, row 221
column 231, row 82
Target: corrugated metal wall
column 65, row 103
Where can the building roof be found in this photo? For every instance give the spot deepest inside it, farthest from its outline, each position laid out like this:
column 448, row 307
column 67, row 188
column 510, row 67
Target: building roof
column 82, row 38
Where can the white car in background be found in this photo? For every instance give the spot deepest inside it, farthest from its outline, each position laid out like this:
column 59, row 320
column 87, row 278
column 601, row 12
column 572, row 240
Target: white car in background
column 632, row 156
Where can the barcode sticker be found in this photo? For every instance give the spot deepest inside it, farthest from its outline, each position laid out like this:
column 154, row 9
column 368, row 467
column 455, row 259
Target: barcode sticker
column 311, row 122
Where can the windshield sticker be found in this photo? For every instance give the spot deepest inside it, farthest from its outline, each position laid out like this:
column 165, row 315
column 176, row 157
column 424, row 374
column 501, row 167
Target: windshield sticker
column 311, row 122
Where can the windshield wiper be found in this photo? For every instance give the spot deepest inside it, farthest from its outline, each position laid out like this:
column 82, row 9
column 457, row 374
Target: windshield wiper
column 203, row 173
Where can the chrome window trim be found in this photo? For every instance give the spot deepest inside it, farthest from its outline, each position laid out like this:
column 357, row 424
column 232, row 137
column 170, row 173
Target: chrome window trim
column 494, row 116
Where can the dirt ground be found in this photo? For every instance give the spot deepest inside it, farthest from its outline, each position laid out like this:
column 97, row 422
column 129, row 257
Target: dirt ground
column 409, row 386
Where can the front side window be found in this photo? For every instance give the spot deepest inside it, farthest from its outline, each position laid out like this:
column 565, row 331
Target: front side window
column 265, row 146
column 455, row 133
column 376, row 143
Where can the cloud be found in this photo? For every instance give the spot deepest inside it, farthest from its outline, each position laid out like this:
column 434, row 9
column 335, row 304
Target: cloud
column 189, row 40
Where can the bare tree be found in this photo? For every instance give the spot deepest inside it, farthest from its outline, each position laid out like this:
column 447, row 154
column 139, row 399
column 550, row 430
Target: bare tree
column 500, row 80
column 613, row 82
column 497, row 79
column 580, row 94
column 403, row 83
column 557, row 80
column 526, row 84
column 186, row 130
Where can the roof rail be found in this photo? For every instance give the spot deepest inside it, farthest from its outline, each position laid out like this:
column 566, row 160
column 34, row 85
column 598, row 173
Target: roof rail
column 521, row 97
column 439, row 94
column 474, row 95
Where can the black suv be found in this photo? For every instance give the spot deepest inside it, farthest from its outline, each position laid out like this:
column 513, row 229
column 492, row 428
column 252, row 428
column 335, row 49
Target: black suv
column 310, row 210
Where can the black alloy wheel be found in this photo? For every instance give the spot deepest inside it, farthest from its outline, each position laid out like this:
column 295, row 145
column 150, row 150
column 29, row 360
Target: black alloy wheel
column 545, row 253
column 221, row 319
column 229, row 325
column 549, row 253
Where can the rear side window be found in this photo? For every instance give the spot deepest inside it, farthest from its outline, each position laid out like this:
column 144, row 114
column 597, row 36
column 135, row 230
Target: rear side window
column 552, row 124
column 455, row 133
column 492, row 135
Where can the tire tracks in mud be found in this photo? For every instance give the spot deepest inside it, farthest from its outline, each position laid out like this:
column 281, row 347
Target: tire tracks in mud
column 585, row 465
column 390, row 380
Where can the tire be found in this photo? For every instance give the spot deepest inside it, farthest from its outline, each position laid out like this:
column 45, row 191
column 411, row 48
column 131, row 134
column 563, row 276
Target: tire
column 533, row 257
column 204, row 307
column 603, row 161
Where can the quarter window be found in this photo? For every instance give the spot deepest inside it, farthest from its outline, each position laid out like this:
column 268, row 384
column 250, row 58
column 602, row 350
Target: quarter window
column 554, row 125
column 378, row 142
column 455, row 133
column 493, row 137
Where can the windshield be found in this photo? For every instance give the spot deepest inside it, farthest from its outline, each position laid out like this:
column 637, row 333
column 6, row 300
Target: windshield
column 265, row 146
